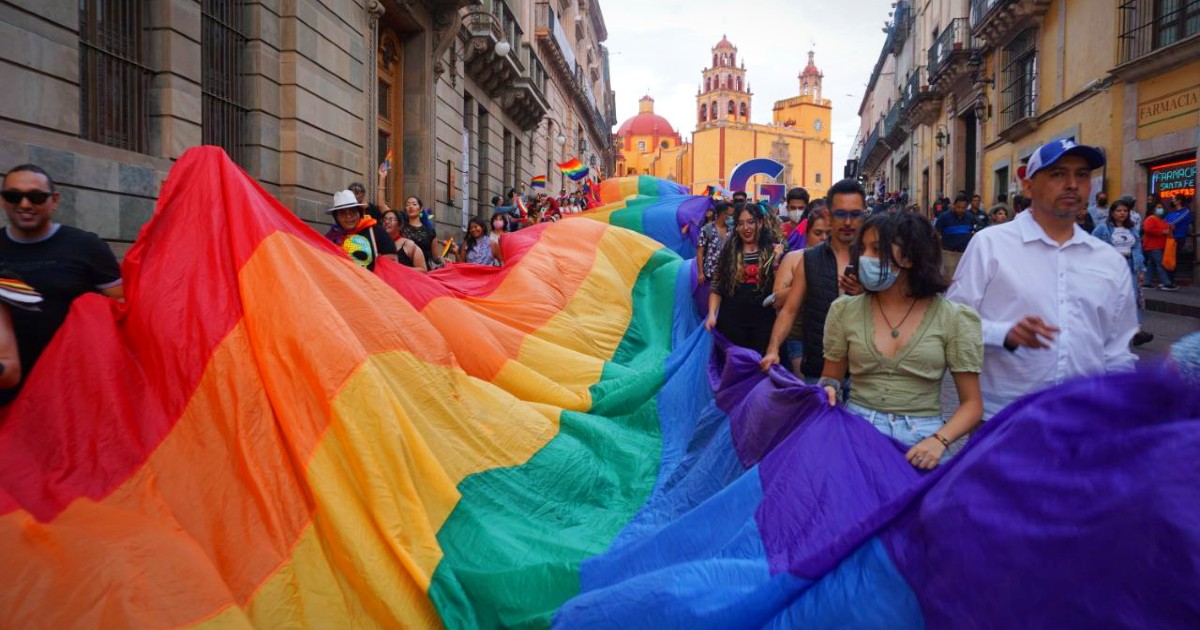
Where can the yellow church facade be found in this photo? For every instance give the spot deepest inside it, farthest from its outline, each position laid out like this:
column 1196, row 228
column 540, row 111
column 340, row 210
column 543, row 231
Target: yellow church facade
column 798, row 135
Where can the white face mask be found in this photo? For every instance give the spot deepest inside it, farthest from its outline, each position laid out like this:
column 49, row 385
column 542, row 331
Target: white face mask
column 795, row 215
column 1158, row 212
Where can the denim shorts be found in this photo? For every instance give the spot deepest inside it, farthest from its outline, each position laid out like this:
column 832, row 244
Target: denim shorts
column 906, row 429
column 794, row 348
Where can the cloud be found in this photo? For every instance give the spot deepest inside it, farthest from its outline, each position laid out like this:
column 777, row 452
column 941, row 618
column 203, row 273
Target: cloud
column 660, row 47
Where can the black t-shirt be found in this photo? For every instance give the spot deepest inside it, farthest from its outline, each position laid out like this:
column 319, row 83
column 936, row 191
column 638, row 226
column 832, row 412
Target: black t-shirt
column 62, row 267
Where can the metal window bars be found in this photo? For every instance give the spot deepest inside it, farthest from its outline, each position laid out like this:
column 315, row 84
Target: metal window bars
column 114, row 82
column 223, row 45
column 1019, row 73
column 1148, row 25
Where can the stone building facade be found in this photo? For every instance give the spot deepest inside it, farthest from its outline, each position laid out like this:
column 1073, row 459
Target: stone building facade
column 305, row 95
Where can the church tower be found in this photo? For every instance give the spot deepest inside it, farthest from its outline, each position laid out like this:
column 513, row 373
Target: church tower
column 724, row 96
column 810, row 79
column 808, row 112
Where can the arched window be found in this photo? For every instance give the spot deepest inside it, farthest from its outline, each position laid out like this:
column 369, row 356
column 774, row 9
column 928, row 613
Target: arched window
column 703, row 112
column 731, row 108
column 745, row 110
column 739, row 84
column 713, row 110
column 714, row 60
column 708, row 84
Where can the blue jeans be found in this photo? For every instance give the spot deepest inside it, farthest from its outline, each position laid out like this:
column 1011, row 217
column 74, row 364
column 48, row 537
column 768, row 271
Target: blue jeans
column 1137, row 287
column 1154, row 267
column 906, row 429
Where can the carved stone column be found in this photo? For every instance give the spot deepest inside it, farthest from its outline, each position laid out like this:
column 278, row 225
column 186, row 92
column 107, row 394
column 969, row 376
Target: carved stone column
column 374, row 13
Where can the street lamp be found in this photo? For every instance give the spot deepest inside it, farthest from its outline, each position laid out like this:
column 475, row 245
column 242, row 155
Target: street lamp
column 503, row 48
column 942, row 138
column 982, row 109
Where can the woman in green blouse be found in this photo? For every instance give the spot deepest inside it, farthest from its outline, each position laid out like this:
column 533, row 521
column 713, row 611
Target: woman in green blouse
column 900, row 336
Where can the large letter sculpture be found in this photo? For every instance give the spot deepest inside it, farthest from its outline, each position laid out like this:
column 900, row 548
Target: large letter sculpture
column 742, row 173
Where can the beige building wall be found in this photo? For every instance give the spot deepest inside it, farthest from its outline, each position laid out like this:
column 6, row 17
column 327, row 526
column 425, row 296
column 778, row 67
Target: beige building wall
column 310, row 91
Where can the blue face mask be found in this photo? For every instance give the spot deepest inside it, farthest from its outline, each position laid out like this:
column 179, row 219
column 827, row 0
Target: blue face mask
column 729, row 223
column 872, row 276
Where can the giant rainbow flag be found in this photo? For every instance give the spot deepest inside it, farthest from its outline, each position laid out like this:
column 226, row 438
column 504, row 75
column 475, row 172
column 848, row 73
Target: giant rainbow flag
column 267, row 435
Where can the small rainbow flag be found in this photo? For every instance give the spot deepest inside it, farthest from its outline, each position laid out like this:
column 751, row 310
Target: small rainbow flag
column 574, row 169
column 521, row 207
column 538, row 181
column 386, row 166
column 591, row 190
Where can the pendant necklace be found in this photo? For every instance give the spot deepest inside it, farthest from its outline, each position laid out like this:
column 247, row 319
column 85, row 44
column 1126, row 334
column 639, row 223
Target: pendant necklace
column 896, row 328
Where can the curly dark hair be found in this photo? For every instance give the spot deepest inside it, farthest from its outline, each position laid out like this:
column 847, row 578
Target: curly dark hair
column 731, row 269
column 918, row 243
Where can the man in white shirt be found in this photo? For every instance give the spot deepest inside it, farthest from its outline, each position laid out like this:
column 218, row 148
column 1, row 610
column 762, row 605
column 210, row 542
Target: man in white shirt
column 1056, row 302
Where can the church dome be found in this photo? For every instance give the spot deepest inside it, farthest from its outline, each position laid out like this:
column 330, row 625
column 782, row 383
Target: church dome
column 646, row 123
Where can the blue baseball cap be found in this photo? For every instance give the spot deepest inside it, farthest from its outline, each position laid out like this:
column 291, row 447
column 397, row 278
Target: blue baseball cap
column 1053, row 151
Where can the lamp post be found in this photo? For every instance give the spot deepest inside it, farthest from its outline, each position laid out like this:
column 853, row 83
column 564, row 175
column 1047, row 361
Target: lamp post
column 942, row 138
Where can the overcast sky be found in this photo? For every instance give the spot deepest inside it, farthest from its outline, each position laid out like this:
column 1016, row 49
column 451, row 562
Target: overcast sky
column 660, row 47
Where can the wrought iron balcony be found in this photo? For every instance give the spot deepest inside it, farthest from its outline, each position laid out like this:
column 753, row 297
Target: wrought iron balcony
column 873, row 149
column 949, row 54
column 526, row 102
column 900, row 27
column 894, row 131
column 921, row 100
column 552, row 40
column 994, row 20
column 486, row 26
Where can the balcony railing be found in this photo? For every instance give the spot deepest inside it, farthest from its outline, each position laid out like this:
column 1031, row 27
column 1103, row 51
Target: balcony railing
column 981, row 8
column 1145, row 27
column 993, row 21
column 550, row 31
column 912, row 87
column 899, row 29
column 955, row 39
column 869, row 147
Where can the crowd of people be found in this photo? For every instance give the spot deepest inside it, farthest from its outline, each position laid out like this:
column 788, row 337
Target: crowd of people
column 367, row 231
column 880, row 301
column 874, row 302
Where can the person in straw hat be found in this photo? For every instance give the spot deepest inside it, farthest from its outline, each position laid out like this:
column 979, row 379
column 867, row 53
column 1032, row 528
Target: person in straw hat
column 362, row 238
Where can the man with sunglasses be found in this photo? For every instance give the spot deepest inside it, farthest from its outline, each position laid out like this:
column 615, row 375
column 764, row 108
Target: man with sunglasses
column 819, row 279
column 59, row 261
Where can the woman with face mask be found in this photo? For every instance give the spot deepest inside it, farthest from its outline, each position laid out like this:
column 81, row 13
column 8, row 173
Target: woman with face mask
column 742, row 280
column 1155, row 232
column 900, row 336
column 499, row 227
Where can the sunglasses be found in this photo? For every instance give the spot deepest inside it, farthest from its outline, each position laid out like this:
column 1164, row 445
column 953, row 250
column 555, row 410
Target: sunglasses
column 35, row 197
column 842, row 215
